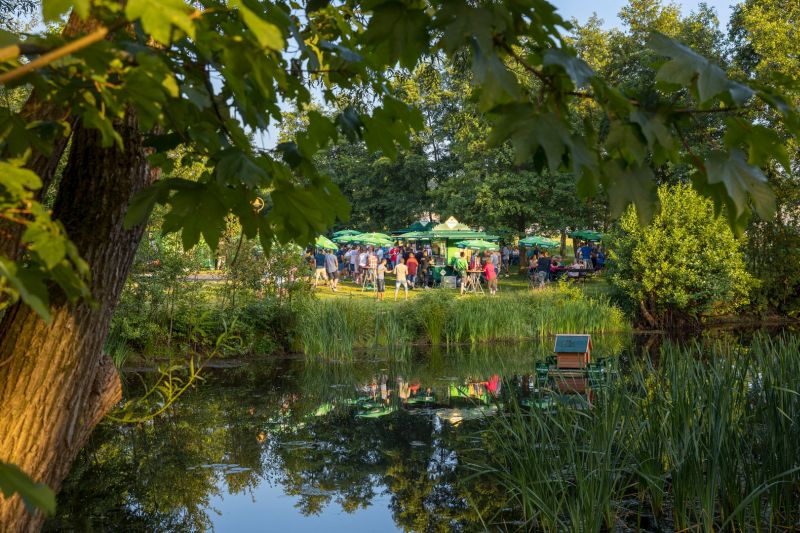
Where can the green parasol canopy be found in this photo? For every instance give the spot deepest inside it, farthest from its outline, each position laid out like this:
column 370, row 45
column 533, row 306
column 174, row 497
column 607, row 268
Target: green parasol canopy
column 372, row 240
column 325, row 243
column 345, row 233
column 416, row 236
column 535, row 240
column 477, row 244
column 587, row 235
column 381, row 236
column 346, row 239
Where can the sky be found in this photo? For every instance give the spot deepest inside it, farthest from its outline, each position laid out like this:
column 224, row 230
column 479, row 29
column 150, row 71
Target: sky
column 608, row 9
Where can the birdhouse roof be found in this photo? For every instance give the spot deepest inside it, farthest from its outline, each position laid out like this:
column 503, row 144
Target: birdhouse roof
column 573, row 344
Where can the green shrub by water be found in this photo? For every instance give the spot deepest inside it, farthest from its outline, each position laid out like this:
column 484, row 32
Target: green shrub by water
column 707, row 440
column 333, row 328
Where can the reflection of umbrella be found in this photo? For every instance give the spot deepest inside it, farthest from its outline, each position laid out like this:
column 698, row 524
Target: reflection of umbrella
column 345, row 233
column 326, row 243
column 587, row 235
column 535, row 240
column 477, row 244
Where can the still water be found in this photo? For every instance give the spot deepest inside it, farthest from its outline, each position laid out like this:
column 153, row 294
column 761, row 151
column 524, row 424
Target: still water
column 293, row 445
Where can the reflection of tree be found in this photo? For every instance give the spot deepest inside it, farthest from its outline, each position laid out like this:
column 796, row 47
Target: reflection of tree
column 257, row 424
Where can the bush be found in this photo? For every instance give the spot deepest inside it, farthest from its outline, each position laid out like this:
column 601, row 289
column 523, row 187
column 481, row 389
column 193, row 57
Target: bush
column 686, row 264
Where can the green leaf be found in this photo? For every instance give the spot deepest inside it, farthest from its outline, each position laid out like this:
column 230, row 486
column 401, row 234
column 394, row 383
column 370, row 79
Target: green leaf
column 158, row 17
column 741, row 180
column 397, row 33
column 234, row 167
column 529, row 131
column 576, row 68
column 18, row 181
column 497, row 85
column 36, row 496
column 624, row 139
column 690, row 69
column 48, row 245
column 53, row 10
column 141, row 205
column 585, row 167
column 656, row 132
column 268, row 35
column 28, row 285
column 630, row 185
column 764, row 143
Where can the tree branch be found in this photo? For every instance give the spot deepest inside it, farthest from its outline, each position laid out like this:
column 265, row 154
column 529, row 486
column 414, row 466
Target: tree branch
column 7, row 53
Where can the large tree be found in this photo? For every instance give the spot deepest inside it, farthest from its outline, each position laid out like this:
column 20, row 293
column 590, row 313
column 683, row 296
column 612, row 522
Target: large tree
column 136, row 79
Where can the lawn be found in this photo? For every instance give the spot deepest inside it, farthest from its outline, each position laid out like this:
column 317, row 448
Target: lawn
column 513, row 283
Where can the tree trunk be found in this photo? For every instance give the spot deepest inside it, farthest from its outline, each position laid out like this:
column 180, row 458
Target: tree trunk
column 44, row 165
column 55, row 382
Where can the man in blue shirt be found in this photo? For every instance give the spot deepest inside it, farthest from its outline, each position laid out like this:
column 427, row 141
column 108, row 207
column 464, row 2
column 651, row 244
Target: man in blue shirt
column 586, row 254
column 319, row 259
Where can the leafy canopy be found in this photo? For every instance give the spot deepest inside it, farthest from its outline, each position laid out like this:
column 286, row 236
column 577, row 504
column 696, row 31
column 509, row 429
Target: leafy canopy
column 210, row 74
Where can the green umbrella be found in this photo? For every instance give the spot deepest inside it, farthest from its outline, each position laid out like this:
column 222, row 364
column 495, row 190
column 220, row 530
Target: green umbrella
column 381, row 236
column 477, row 244
column 345, row 233
column 416, row 236
column 535, row 240
column 325, row 243
column 587, row 235
column 346, row 239
column 372, row 240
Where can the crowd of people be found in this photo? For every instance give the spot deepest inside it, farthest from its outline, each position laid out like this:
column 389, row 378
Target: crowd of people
column 543, row 268
column 412, row 266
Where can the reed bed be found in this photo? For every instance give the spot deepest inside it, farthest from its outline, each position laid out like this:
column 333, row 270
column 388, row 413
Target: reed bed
column 335, row 328
column 707, row 440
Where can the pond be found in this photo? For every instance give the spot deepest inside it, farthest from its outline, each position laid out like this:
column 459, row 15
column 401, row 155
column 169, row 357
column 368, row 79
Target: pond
column 293, row 445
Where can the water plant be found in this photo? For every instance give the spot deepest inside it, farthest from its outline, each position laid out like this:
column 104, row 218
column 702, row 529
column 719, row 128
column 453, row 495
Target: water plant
column 705, row 439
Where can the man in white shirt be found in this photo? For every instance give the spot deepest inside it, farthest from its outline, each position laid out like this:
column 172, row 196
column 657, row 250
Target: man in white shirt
column 362, row 263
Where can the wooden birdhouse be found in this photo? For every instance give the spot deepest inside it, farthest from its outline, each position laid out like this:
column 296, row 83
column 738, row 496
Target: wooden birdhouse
column 573, row 351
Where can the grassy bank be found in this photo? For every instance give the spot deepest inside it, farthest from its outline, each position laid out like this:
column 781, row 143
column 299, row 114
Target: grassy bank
column 334, row 328
column 706, row 440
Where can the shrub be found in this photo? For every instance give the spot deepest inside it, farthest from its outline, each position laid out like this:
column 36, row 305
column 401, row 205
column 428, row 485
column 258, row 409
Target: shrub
column 686, row 264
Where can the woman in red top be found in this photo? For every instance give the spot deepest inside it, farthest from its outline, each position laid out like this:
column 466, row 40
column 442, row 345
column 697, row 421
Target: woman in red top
column 412, row 265
column 491, row 276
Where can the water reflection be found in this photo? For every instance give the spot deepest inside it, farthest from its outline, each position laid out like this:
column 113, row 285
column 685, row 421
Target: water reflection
column 278, row 444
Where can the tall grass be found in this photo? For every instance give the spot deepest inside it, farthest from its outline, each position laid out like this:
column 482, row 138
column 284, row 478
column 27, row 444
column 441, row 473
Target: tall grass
column 708, row 440
column 334, row 328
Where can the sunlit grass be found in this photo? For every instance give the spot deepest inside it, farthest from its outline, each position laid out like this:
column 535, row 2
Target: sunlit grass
column 335, row 327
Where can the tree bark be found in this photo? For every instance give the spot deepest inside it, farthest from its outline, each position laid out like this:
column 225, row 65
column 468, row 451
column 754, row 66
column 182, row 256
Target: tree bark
column 55, row 382
column 44, row 165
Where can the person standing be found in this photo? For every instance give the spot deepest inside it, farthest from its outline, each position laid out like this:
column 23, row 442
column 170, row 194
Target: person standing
column 332, row 269
column 401, row 271
column 319, row 261
column 353, row 255
column 586, row 254
column 363, row 257
column 461, row 270
column 380, row 278
column 491, row 277
column 413, row 266
column 506, row 259
column 544, row 269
